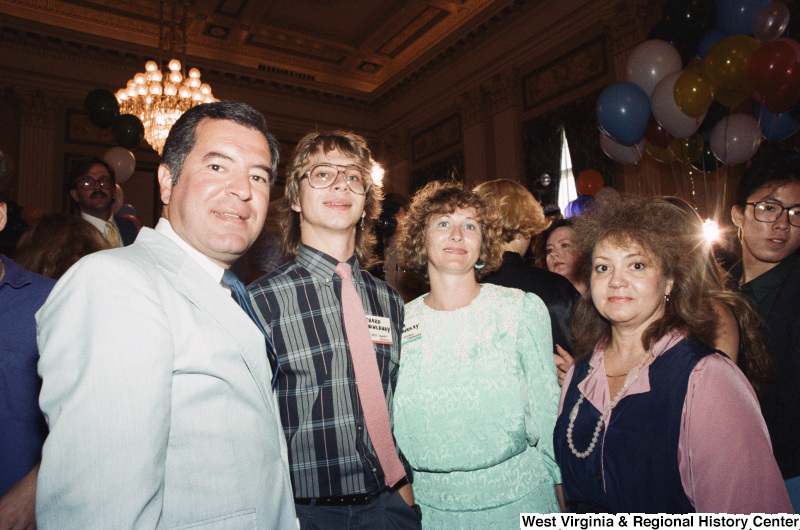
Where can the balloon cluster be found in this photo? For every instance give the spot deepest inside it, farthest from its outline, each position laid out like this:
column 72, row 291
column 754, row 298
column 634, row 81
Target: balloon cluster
column 103, row 110
column 705, row 114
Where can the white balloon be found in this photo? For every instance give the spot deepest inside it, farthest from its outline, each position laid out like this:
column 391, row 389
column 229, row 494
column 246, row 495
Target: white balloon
column 668, row 113
column 122, row 162
column 736, row 138
column 119, row 199
column 624, row 154
column 650, row 62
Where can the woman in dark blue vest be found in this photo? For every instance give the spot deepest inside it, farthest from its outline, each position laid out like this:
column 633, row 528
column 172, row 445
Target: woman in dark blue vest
column 651, row 419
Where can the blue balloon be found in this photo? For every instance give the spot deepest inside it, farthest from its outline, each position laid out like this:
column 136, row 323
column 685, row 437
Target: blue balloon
column 579, row 206
column 711, row 37
column 775, row 127
column 735, row 17
column 623, row 110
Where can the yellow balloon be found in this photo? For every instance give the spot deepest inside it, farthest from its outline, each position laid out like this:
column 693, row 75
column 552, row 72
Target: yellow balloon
column 693, row 92
column 686, row 149
column 661, row 154
column 736, row 96
column 725, row 64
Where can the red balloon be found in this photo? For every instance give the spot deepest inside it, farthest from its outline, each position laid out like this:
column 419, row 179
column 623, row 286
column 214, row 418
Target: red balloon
column 589, row 181
column 134, row 220
column 771, row 67
column 656, row 135
column 31, row 213
column 784, row 97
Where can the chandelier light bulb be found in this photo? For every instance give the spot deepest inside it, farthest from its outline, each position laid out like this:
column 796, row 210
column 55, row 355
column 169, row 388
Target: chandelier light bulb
column 159, row 98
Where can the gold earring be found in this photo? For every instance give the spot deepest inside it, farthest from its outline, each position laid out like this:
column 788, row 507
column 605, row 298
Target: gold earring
column 666, row 298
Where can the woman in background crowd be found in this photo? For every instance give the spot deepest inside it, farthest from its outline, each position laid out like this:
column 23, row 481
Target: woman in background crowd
column 520, row 217
column 476, row 395
column 767, row 212
column 651, row 419
column 560, row 257
column 56, row 242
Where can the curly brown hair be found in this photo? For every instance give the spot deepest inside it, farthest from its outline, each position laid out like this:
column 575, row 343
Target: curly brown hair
column 56, row 242
column 658, row 228
column 759, row 368
column 353, row 147
column 518, row 212
column 442, row 198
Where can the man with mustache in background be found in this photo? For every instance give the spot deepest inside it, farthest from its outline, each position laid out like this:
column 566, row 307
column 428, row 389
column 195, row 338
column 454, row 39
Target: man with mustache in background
column 92, row 186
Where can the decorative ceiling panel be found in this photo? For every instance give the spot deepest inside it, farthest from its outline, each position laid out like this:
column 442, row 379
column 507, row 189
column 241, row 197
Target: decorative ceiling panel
column 351, row 47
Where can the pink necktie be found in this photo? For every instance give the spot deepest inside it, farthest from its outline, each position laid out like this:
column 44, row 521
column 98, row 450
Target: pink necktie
column 368, row 379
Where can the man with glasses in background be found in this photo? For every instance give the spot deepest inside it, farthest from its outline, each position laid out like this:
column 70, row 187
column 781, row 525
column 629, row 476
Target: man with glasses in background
column 92, row 186
column 337, row 331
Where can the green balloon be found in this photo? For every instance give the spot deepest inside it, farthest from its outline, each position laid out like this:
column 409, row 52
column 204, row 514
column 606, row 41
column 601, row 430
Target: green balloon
column 128, row 130
column 102, row 107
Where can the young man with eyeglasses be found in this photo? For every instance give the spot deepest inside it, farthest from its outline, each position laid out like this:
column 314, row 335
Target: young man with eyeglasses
column 92, row 186
column 337, row 331
column 767, row 212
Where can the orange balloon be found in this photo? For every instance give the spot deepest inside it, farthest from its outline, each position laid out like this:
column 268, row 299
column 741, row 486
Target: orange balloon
column 589, row 181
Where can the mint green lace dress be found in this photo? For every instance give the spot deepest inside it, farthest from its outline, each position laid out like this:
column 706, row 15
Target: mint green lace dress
column 475, row 407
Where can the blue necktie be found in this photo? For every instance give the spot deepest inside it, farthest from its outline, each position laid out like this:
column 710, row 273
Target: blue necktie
column 243, row 299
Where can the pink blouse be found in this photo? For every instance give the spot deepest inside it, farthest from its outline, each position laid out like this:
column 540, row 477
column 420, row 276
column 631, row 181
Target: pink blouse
column 724, row 452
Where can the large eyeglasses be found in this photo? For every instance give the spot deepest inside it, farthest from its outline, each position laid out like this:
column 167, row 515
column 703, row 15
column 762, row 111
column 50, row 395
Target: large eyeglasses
column 88, row 183
column 769, row 212
column 322, row 176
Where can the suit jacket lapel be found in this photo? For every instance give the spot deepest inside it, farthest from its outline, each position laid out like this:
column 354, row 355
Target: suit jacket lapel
column 196, row 284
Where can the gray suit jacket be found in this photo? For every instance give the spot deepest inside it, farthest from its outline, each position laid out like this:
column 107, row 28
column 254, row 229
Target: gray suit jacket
column 156, row 389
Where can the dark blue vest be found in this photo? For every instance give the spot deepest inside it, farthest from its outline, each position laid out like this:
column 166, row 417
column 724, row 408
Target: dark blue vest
column 641, row 445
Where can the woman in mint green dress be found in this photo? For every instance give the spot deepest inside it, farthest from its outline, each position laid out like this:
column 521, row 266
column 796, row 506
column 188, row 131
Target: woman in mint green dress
column 477, row 395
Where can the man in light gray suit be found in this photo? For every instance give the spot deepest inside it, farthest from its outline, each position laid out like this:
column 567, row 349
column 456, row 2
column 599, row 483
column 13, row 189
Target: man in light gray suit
column 156, row 384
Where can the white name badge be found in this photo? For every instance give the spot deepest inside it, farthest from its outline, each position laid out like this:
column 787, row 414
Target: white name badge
column 411, row 330
column 380, row 329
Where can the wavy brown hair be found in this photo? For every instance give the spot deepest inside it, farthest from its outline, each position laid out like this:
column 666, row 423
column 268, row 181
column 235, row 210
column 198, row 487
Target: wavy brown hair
column 656, row 227
column 518, row 212
column 56, row 242
column 353, row 147
column 442, row 198
column 759, row 367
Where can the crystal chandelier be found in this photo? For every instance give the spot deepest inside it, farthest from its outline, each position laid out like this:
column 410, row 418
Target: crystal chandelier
column 159, row 99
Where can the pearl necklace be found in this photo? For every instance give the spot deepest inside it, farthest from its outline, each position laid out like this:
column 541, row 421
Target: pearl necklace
column 606, row 412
